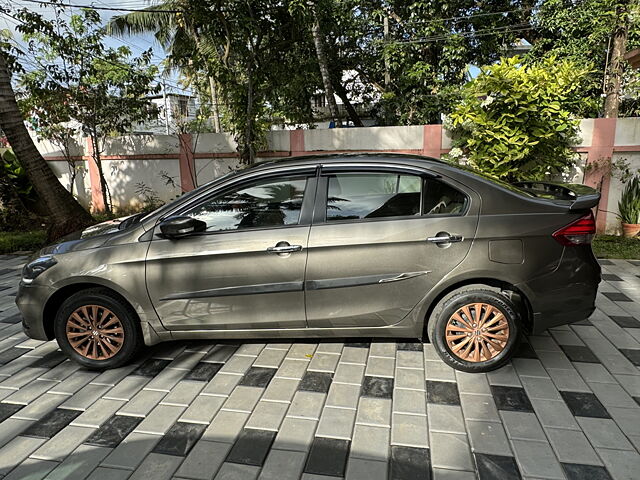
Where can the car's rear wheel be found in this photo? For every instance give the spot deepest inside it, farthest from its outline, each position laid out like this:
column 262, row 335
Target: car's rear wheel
column 97, row 329
column 475, row 330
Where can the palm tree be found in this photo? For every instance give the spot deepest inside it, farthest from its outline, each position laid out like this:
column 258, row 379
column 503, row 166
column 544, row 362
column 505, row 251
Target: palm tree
column 173, row 31
column 66, row 213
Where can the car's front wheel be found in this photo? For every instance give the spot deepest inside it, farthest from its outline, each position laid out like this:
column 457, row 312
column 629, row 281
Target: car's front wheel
column 97, row 329
column 475, row 330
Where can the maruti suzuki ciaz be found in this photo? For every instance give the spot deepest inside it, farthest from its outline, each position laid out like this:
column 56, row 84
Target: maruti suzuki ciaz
column 362, row 245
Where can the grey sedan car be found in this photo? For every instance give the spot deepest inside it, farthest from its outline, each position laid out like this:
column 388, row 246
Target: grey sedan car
column 335, row 246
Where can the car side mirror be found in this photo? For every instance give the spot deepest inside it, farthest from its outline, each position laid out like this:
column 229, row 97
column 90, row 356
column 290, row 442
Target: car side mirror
column 178, row 227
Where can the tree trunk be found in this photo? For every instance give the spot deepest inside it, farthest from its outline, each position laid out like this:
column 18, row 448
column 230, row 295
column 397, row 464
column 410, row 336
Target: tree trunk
column 613, row 74
column 248, row 153
column 66, row 213
column 215, row 111
column 97, row 158
column 323, row 63
column 351, row 111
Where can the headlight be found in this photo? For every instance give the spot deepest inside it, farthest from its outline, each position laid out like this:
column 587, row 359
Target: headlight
column 32, row 269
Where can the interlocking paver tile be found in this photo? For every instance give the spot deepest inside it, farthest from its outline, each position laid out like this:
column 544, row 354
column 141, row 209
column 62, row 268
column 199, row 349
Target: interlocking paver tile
column 409, row 463
column 251, row 447
column 349, row 373
column 131, row 451
column 16, row 451
column 496, row 466
column 584, row 404
column 113, row 431
column 363, row 468
column 445, row 418
column 487, row 437
column 336, row 423
column 63, row 443
column 32, row 468
column 8, row 409
column 203, row 409
column 157, row 467
column 328, row 456
column 83, row 459
column 409, row 430
column 572, row 446
column 295, row 434
column 576, row 471
column 315, row 382
column 257, row 377
column 370, row 442
column 180, row 438
column 450, row 450
column 267, row 415
column 52, row 423
column 537, row 458
column 283, row 465
column 511, row 398
column 98, row 413
column 225, row 426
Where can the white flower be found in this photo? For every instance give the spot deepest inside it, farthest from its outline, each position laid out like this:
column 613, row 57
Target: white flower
column 488, row 100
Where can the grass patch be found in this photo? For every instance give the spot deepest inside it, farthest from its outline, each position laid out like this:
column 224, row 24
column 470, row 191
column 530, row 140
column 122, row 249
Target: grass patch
column 17, row 241
column 612, row 246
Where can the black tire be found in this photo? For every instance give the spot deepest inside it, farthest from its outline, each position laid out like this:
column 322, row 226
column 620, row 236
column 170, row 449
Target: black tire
column 450, row 305
column 132, row 336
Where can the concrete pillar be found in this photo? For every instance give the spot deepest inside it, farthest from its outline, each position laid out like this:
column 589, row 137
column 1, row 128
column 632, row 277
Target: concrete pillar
column 432, row 141
column 599, row 156
column 296, row 142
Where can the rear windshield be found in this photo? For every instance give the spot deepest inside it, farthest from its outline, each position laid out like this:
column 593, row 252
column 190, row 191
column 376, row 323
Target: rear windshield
column 494, row 179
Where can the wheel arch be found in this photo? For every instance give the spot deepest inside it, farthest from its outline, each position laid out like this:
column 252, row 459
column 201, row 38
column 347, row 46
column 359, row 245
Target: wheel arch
column 59, row 296
column 517, row 296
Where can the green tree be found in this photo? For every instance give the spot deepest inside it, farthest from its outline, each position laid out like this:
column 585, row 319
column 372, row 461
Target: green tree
column 257, row 52
column 518, row 121
column 591, row 32
column 65, row 213
column 83, row 84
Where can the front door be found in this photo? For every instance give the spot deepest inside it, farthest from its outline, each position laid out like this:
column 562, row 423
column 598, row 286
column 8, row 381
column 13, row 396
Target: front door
column 246, row 271
column 383, row 240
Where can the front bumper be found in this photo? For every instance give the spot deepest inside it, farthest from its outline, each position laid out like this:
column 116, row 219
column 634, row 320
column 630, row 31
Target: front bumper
column 566, row 295
column 31, row 300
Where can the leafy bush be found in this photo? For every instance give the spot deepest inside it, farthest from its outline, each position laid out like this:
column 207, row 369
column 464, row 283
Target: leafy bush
column 22, row 241
column 629, row 204
column 516, row 121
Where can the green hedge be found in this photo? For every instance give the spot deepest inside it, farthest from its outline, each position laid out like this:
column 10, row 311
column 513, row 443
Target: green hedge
column 18, row 241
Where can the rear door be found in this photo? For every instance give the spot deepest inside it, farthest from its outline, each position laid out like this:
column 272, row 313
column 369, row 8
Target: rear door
column 246, row 271
column 380, row 240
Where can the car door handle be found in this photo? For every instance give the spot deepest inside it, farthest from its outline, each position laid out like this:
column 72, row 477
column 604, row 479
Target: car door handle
column 284, row 248
column 445, row 239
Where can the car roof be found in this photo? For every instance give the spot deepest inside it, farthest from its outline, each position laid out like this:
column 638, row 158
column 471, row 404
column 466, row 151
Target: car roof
column 320, row 158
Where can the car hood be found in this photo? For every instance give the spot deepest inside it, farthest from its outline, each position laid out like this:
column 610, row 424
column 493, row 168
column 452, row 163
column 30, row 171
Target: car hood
column 105, row 233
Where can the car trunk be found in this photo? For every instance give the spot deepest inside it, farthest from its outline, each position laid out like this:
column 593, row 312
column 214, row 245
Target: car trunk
column 575, row 196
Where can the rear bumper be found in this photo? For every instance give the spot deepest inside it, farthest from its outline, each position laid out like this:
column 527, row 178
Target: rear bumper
column 566, row 295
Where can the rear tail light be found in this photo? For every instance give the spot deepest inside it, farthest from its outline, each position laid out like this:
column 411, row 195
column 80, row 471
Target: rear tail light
column 579, row 232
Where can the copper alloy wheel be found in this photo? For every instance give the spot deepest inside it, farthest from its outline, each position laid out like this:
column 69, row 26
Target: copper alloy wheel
column 477, row 332
column 95, row 332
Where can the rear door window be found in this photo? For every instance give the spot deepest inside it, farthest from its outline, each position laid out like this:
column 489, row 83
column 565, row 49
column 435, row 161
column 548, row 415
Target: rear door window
column 358, row 196
column 442, row 199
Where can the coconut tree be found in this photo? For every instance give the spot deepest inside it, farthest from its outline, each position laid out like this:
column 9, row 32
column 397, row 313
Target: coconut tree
column 175, row 32
column 66, row 214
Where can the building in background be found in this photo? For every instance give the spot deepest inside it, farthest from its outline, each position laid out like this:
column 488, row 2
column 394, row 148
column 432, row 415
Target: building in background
column 175, row 112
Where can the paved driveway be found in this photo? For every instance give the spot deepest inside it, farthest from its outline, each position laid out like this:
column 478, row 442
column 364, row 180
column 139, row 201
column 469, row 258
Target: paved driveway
column 567, row 407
